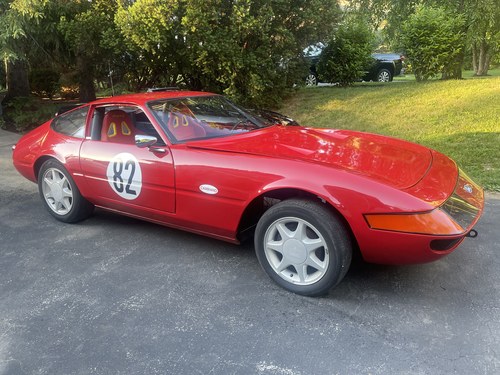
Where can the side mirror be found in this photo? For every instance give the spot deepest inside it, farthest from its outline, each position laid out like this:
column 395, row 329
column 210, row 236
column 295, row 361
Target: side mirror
column 143, row 141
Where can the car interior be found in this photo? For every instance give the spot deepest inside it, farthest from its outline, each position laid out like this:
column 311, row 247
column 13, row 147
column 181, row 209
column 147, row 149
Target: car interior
column 121, row 124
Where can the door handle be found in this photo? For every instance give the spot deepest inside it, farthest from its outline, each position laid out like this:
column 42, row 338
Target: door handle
column 157, row 149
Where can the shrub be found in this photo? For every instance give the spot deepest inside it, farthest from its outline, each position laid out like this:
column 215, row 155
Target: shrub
column 433, row 39
column 69, row 86
column 44, row 82
column 118, row 89
column 347, row 54
column 70, row 92
column 27, row 113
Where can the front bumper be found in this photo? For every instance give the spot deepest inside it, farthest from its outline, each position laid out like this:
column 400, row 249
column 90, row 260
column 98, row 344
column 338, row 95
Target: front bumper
column 428, row 236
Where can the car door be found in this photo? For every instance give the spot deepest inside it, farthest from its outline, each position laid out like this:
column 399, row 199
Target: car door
column 118, row 174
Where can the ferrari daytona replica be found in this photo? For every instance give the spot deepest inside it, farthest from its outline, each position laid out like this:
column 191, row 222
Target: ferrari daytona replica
column 308, row 197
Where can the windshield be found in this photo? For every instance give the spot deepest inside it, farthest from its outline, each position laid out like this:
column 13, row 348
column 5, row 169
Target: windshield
column 200, row 117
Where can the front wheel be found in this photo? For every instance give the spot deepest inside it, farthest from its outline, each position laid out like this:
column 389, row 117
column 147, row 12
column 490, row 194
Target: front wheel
column 60, row 194
column 303, row 246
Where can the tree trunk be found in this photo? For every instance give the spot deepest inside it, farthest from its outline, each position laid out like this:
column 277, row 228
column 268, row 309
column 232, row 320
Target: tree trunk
column 484, row 59
column 86, row 80
column 16, row 79
column 487, row 64
column 481, row 56
column 3, row 79
column 474, row 57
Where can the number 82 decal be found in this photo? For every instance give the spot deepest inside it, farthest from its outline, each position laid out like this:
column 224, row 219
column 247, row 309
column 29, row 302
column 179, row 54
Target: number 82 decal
column 125, row 176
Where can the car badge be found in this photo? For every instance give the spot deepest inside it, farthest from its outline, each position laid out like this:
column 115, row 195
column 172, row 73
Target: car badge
column 209, row 189
column 468, row 188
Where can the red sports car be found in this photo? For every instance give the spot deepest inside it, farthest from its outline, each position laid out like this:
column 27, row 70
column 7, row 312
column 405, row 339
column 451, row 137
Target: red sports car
column 309, row 197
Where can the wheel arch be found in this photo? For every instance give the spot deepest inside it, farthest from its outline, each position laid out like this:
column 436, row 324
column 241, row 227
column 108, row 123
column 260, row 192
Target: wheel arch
column 386, row 65
column 39, row 162
column 257, row 206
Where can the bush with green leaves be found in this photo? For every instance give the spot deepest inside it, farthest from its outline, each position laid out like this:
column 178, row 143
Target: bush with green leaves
column 347, row 54
column 23, row 113
column 433, row 39
column 249, row 50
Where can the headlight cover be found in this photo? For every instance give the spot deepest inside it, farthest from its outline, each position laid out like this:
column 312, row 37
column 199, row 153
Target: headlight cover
column 453, row 217
column 465, row 203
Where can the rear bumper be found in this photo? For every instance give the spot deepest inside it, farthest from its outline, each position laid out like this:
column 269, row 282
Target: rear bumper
column 24, row 165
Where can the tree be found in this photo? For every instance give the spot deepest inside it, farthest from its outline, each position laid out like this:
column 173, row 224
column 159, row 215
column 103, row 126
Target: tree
column 155, row 42
column 347, row 54
column 87, row 32
column 248, row 49
column 53, row 34
column 481, row 25
column 14, row 18
column 433, row 40
column 485, row 40
column 252, row 50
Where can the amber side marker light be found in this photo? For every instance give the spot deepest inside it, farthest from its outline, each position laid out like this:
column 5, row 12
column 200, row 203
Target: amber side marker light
column 435, row 222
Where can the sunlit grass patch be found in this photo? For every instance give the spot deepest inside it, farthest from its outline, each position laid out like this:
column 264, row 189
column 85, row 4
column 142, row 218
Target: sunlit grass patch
column 458, row 118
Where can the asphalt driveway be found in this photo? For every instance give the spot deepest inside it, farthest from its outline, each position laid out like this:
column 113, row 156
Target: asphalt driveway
column 113, row 295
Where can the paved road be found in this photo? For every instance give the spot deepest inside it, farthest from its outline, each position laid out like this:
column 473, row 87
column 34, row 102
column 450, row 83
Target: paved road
column 113, row 295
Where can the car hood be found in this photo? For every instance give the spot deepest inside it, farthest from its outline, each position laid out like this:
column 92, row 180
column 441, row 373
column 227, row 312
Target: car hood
column 391, row 161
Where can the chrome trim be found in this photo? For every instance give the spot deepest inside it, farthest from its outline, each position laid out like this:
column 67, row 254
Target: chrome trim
column 143, row 141
column 460, row 211
column 465, row 203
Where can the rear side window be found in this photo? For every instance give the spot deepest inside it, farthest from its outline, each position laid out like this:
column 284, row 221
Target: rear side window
column 71, row 123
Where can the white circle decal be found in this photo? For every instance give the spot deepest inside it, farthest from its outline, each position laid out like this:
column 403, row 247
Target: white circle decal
column 125, row 176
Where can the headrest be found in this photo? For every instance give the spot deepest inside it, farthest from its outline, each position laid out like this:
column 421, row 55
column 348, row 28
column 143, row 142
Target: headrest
column 117, row 127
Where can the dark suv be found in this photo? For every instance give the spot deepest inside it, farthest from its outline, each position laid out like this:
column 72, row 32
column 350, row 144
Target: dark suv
column 383, row 68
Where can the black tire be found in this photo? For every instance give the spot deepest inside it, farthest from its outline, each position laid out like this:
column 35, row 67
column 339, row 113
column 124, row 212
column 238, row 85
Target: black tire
column 319, row 225
column 63, row 200
column 384, row 75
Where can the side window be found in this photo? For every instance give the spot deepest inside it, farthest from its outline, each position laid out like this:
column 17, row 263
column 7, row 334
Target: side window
column 71, row 123
column 121, row 124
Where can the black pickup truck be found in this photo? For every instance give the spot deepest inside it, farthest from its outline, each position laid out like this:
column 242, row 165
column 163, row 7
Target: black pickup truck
column 383, row 68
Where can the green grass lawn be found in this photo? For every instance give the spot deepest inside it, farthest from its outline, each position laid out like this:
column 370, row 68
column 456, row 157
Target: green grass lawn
column 466, row 74
column 458, row 118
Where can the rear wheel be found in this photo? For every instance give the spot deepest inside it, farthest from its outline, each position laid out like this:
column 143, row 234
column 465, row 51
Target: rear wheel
column 303, row 247
column 311, row 80
column 60, row 194
column 384, row 75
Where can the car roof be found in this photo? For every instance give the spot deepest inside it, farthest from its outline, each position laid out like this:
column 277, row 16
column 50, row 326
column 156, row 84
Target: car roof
column 144, row 97
column 388, row 56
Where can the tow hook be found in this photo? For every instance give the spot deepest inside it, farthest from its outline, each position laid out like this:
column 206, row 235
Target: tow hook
column 472, row 234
